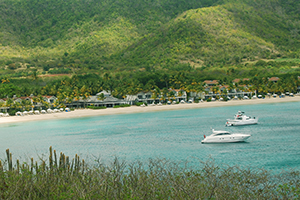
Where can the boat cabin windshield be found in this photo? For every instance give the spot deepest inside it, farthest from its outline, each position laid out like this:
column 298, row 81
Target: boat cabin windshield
column 223, row 133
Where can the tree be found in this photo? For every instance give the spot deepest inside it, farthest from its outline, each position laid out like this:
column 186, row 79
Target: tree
column 34, row 75
column 101, row 97
column 165, row 93
column 150, row 85
column 165, row 78
column 171, row 94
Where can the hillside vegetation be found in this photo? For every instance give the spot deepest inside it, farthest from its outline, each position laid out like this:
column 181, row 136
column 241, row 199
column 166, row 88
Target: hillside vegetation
column 75, row 37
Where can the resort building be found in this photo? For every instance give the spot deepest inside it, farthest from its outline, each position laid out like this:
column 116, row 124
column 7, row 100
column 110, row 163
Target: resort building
column 237, row 80
column 211, row 83
column 176, row 95
column 105, row 100
column 131, row 99
column 179, row 95
column 50, row 99
column 274, row 79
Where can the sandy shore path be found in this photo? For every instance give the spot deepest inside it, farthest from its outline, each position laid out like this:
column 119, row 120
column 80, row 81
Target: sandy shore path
column 137, row 109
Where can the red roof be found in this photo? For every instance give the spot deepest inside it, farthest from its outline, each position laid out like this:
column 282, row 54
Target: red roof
column 211, row 82
column 238, row 80
column 224, row 86
column 274, row 79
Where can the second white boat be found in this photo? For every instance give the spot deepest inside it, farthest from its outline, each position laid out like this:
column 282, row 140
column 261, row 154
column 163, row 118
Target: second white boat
column 241, row 119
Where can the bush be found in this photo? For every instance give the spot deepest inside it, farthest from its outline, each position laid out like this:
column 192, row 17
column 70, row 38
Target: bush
column 96, row 107
column 12, row 111
column 60, row 71
column 140, row 103
column 122, row 106
column 225, row 98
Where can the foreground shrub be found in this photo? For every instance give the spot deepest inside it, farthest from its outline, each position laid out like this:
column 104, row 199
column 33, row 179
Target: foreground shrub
column 62, row 178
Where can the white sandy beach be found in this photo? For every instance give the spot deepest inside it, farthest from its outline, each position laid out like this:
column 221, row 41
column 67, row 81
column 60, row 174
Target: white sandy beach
column 137, row 109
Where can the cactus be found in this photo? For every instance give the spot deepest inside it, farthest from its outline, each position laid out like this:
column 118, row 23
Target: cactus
column 9, row 160
column 1, row 166
column 31, row 166
column 50, row 159
column 55, row 160
column 18, row 166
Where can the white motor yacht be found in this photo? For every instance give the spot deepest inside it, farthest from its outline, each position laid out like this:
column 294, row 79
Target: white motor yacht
column 241, row 119
column 225, row 137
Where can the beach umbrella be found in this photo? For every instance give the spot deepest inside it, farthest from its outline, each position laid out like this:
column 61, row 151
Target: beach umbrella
column 18, row 113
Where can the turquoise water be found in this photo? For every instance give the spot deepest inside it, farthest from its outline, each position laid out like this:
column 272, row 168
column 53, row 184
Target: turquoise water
column 174, row 135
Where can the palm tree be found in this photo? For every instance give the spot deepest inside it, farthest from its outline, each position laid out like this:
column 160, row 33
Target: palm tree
column 150, row 85
column 84, row 93
column 2, row 104
column 9, row 103
column 180, row 93
column 41, row 100
column 158, row 92
column 101, row 97
column 165, row 78
column 171, row 95
column 164, row 92
column 199, row 88
column 85, row 97
column 61, row 96
column 69, row 99
column 56, row 103
column 23, row 103
column 108, row 82
column 17, row 105
column 262, row 89
column 76, row 95
column 215, row 90
column 27, row 104
column 231, row 87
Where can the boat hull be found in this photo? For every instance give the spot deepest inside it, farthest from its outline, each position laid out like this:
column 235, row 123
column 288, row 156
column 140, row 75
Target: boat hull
column 241, row 122
column 231, row 139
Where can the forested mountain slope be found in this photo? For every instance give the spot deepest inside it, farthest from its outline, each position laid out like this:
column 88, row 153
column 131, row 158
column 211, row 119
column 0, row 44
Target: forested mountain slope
column 76, row 36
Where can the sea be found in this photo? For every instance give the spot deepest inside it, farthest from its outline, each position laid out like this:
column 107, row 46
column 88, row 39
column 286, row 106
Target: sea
column 173, row 135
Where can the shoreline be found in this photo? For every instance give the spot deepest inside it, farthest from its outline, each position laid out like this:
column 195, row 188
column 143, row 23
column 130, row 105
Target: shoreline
column 137, row 109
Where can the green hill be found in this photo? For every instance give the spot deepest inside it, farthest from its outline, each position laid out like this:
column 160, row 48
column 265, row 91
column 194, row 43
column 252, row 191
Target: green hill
column 67, row 36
